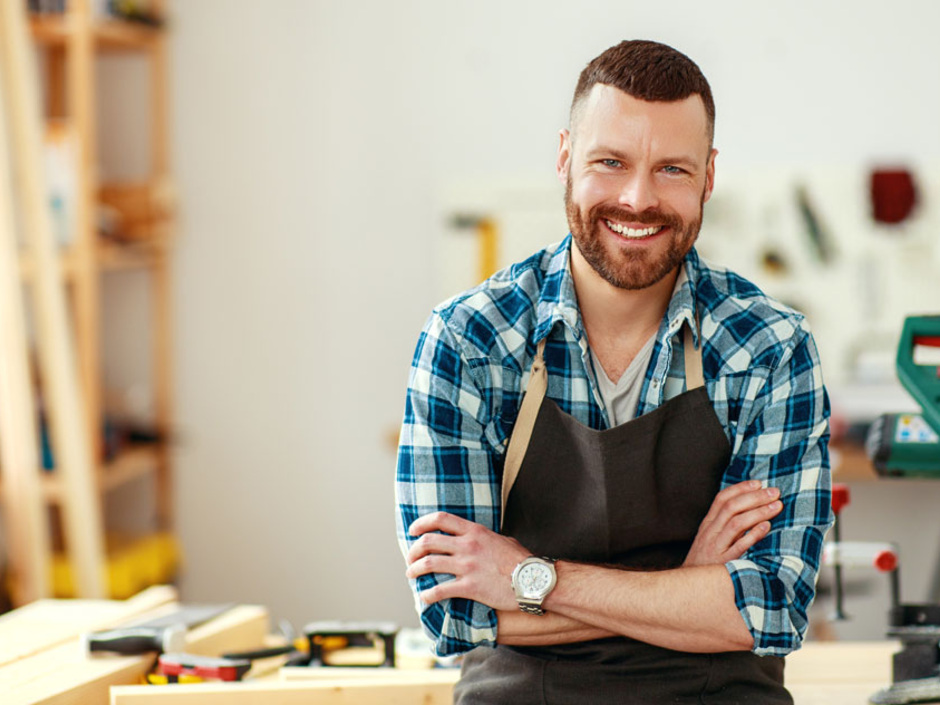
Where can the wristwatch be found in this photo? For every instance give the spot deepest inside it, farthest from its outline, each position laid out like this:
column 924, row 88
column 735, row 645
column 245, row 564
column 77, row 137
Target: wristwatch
column 532, row 581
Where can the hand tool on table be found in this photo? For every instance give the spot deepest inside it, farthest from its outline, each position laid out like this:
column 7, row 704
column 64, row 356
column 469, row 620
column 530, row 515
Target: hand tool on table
column 908, row 445
column 161, row 635
column 326, row 638
column 296, row 649
column 177, row 665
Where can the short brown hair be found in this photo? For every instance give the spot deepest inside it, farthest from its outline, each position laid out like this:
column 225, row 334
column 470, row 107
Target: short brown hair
column 648, row 71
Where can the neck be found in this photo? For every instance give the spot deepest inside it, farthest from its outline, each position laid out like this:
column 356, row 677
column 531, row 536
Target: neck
column 615, row 317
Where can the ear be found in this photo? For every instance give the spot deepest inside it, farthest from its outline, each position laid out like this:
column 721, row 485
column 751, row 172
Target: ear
column 710, row 175
column 564, row 155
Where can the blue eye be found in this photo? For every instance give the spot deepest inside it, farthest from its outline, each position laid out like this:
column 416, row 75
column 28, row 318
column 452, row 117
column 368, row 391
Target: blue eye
column 612, row 163
column 673, row 170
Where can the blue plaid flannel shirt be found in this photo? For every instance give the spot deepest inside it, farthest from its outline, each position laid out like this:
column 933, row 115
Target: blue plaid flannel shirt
column 762, row 375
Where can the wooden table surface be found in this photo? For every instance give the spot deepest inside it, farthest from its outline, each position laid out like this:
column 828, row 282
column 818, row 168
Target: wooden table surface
column 41, row 661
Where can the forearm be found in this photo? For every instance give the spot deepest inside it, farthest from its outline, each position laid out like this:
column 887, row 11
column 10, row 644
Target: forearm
column 520, row 629
column 687, row 609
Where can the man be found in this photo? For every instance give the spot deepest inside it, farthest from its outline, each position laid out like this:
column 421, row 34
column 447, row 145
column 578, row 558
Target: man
column 613, row 477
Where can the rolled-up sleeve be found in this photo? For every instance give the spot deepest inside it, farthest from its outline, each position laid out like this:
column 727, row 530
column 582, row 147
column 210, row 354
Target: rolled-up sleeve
column 446, row 463
column 783, row 443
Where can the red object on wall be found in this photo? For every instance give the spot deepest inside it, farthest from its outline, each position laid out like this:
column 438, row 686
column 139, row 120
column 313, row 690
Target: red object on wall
column 893, row 195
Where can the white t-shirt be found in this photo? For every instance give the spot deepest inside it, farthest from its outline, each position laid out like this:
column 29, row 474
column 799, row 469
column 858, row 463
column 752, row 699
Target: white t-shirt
column 621, row 397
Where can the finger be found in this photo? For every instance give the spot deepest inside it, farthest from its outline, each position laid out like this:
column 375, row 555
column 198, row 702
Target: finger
column 749, row 539
column 442, row 591
column 746, row 501
column 746, row 521
column 430, row 543
column 434, row 563
column 439, row 521
column 729, row 493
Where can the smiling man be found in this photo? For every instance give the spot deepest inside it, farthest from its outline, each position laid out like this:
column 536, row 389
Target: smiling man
column 613, row 478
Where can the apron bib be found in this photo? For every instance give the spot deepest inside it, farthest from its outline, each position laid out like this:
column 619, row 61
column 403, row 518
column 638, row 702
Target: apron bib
column 633, row 495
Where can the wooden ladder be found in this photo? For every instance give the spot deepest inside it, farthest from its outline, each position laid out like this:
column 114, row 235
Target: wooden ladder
column 24, row 506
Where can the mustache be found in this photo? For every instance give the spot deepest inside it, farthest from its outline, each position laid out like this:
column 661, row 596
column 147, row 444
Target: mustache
column 651, row 216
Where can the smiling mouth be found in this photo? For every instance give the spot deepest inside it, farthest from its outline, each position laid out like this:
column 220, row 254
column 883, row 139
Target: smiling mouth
column 633, row 234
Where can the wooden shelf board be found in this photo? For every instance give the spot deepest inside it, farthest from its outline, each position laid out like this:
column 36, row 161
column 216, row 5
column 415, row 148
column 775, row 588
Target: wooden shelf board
column 50, row 29
column 110, row 257
column 109, row 35
column 132, row 463
column 118, row 35
column 115, row 257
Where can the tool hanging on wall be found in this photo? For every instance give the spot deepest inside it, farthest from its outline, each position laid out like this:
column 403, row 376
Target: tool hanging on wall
column 81, row 509
column 487, row 234
column 819, row 238
column 893, row 195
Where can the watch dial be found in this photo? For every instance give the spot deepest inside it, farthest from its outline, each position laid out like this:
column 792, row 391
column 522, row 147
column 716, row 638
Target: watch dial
column 534, row 579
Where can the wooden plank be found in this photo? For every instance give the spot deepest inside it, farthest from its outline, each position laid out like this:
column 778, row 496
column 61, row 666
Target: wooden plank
column 819, row 674
column 330, row 692
column 64, row 675
column 349, row 693
column 47, row 623
column 69, row 422
column 240, row 629
column 24, row 509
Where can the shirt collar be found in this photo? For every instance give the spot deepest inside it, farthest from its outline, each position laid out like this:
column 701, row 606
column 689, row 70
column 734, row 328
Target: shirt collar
column 558, row 301
column 683, row 304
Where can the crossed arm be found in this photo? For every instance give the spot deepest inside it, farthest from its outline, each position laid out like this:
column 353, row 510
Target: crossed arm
column 691, row 608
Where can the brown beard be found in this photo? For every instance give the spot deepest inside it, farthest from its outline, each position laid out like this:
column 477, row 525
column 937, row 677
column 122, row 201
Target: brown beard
column 632, row 269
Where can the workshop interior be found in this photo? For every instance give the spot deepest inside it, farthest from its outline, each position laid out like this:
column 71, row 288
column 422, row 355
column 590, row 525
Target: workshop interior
column 225, row 223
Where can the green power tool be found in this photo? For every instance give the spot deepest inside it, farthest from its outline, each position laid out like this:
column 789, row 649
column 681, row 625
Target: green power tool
column 908, row 445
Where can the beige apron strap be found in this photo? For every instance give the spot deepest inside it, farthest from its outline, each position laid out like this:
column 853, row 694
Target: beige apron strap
column 694, row 378
column 525, row 422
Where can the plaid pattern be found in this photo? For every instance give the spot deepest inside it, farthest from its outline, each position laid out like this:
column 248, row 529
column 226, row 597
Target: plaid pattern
column 762, row 375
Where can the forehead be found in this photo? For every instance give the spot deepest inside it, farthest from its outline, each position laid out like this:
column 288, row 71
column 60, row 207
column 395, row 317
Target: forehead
column 610, row 117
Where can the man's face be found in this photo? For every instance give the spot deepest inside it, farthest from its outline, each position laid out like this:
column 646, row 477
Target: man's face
column 636, row 174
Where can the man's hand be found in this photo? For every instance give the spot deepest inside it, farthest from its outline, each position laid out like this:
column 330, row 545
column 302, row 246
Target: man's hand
column 481, row 560
column 738, row 518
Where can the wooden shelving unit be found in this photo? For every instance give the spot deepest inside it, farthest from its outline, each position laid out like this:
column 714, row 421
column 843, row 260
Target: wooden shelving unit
column 69, row 45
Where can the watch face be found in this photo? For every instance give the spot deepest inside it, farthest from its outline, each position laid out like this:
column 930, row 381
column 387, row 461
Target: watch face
column 535, row 579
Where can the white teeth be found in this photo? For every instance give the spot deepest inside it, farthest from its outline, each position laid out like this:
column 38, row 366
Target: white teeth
column 630, row 232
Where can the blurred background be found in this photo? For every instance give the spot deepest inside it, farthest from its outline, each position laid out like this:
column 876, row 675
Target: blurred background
column 335, row 170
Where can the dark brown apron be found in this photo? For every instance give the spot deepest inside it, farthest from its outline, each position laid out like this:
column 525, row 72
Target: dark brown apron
column 633, row 495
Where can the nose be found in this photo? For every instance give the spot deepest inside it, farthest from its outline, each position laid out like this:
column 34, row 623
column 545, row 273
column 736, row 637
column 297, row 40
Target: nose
column 638, row 192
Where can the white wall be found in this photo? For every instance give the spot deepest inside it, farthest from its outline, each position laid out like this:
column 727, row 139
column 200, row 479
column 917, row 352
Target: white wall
column 313, row 143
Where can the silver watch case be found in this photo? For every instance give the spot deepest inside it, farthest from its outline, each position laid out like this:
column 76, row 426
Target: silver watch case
column 532, row 580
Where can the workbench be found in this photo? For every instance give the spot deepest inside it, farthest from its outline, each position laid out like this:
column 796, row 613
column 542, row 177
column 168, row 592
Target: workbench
column 41, row 661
